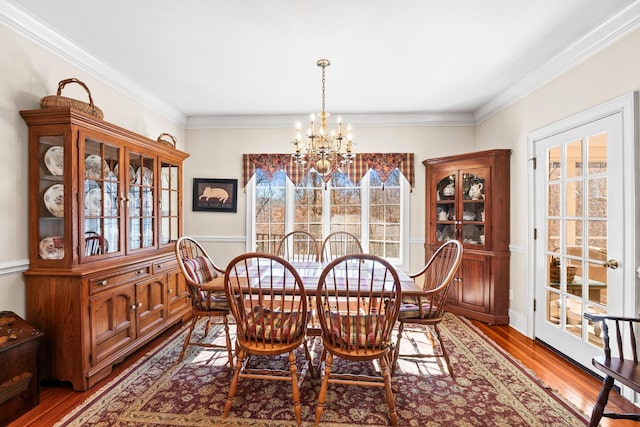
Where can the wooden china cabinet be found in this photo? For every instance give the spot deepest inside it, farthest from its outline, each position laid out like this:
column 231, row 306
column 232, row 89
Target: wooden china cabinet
column 468, row 199
column 105, row 212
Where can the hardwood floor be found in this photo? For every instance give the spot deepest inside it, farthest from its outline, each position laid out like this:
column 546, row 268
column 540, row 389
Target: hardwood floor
column 576, row 385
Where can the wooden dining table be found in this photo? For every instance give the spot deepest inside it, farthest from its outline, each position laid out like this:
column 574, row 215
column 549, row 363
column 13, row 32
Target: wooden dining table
column 309, row 272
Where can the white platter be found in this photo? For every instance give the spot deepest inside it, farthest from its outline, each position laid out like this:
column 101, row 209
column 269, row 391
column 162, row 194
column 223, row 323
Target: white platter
column 146, row 174
column 132, row 174
column 51, row 248
column 54, row 200
column 54, row 160
column 93, row 201
column 92, row 166
column 165, row 180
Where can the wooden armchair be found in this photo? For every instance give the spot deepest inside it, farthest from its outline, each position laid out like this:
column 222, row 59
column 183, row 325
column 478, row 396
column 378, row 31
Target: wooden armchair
column 198, row 271
column 358, row 300
column 298, row 246
column 614, row 364
column 338, row 244
column 270, row 309
column 428, row 309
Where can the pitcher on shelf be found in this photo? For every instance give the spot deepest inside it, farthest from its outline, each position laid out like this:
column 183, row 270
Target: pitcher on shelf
column 449, row 190
column 475, row 191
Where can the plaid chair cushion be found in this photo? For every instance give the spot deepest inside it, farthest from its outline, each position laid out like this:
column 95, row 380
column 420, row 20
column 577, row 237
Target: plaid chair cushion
column 274, row 326
column 357, row 330
column 217, row 300
column 199, row 269
column 410, row 309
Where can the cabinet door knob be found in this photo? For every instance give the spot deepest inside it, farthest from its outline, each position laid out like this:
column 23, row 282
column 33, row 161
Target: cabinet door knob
column 170, row 290
column 133, row 307
column 612, row 264
column 139, row 304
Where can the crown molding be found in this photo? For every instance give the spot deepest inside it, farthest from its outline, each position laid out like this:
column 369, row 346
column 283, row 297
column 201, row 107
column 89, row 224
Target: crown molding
column 616, row 27
column 19, row 20
column 358, row 120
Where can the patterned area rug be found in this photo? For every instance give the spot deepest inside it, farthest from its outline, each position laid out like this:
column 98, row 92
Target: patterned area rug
column 489, row 388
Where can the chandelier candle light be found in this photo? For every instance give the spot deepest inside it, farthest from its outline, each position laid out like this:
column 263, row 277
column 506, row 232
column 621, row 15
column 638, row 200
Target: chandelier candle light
column 323, row 149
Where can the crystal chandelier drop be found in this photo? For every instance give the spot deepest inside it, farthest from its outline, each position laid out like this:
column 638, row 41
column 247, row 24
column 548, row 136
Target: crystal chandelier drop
column 323, row 149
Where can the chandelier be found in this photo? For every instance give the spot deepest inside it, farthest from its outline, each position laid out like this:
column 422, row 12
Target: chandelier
column 323, row 149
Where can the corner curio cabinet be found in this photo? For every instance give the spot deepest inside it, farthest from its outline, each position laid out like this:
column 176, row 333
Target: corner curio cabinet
column 105, row 207
column 468, row 199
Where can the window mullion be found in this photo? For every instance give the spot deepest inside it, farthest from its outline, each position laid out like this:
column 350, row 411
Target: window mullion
column 290, row 206
column 326, row 210
column 364, row 212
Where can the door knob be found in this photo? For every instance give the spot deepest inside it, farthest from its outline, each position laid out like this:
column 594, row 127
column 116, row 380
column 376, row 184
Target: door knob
column 612, row 264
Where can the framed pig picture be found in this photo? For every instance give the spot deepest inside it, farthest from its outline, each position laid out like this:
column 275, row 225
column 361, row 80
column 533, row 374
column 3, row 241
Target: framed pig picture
column 215, row 195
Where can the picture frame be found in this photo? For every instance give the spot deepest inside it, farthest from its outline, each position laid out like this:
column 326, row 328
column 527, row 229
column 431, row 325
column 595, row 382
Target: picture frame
column 215, row 195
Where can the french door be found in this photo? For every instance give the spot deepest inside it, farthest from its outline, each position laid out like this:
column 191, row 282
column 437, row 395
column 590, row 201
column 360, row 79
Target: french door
column 581, row 237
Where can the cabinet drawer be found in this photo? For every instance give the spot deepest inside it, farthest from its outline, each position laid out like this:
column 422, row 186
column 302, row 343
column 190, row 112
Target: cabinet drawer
column 100, row 283
column 165, row 265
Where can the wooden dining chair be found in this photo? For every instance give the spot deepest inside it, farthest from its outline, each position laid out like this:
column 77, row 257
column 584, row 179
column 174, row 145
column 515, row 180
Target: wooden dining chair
column 613, row 362
column 428, row 309
column 199, row 270
column 298, row 246
column 358, row 301
column 94, row 244
column 339, row 243
column 271, row 313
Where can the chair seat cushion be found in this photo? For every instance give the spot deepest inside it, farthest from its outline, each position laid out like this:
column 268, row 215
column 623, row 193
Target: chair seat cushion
column 358, row 330
column 216, row 300
column 200, row 269
column 274, row 326
column 410, row 309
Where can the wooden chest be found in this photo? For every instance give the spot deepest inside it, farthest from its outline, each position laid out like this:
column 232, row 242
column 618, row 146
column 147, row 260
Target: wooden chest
column 19, row 391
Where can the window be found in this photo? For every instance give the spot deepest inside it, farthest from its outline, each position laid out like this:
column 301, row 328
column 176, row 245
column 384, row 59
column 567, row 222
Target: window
column 373, row 211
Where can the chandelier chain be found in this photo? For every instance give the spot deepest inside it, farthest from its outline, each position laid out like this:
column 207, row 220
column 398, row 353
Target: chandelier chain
column 323, row 85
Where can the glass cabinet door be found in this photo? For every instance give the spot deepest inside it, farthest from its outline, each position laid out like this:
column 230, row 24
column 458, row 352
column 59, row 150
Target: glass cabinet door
column 141, row 202
column 460, row 211
column 446, row 207
column 100, row 198
column 169, row 202
column 472, row 217
column 52, row 195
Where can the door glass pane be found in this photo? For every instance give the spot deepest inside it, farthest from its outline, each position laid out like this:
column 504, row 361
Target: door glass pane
column 577, row 235
column 597, row 205
column 555, row 167
column 573, row 164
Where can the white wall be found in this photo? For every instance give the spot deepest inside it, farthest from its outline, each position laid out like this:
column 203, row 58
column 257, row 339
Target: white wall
column 30, row 72
column 604, row 76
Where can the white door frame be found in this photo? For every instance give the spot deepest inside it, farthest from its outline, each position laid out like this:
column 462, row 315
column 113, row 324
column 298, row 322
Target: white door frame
column 627, row 105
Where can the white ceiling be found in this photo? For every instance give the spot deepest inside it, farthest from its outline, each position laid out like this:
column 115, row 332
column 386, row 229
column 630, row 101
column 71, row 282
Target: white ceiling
column 257, row 57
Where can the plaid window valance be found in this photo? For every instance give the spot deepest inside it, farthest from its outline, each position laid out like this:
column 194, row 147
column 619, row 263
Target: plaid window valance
column 383, row 163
